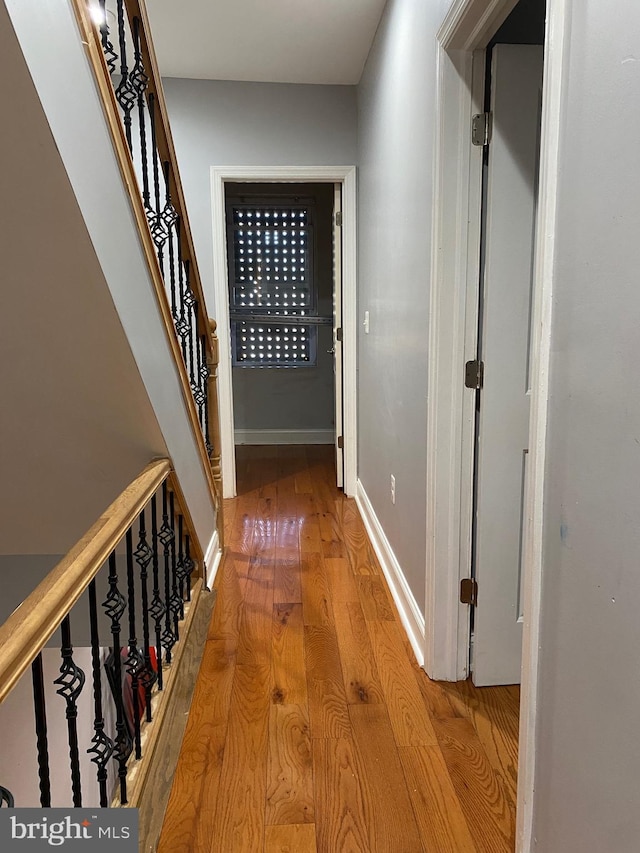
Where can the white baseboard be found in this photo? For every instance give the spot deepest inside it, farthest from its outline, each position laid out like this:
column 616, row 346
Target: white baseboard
column 212, row 558
column 284, row 436
column 410, row 614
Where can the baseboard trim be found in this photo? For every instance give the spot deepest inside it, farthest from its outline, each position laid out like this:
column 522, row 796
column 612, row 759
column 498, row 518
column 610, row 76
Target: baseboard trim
column 410, row 615
column 284, row 436
column 212, row 558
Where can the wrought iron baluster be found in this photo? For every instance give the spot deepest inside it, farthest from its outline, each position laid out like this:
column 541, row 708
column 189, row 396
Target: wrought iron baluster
column 71, row 681
column 157, row 225
column 203, row 373
column 6, row 798
column 180, row 567
column 142, row 121
column 170, row 217
column 134, row 662
column 110, row 55
column 166, row 536
column 143, row 555
column 102, row 747
column 40, row 710
column 182, row 324
column 125, row 92
column 157, row 609
column 114, row 606
column 175, row 603
column 188, row 564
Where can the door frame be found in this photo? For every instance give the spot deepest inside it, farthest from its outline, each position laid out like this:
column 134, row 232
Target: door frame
column 466, row 30
column 346, row 176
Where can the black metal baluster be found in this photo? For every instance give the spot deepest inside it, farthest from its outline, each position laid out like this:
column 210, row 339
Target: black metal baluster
column 102, row 747
column 157, row 224
column 71, row 681
column 175, row 603
column 188, row 564
column 157, row 609
column 125, row 92
column 114, row 606
column 203, row 372
column 6, row 798
column 134, row 662
column 180, row 567
column 142, row 120
column 40, row 711
column 182, row 324
column 192, row 307
column 143, row 555
column 170, row 217
column 110, row 55
column 165, row 536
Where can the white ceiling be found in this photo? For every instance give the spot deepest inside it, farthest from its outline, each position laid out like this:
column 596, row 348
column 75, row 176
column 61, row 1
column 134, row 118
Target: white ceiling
column 279, row 41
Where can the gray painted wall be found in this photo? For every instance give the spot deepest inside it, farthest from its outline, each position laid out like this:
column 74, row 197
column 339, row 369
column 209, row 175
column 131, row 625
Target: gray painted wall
column 220, row 123
column 396, row 103
column 302, row 397
column 588, row 777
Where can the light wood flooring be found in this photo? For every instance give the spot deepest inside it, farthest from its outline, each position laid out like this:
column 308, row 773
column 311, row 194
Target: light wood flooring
column 312, row 728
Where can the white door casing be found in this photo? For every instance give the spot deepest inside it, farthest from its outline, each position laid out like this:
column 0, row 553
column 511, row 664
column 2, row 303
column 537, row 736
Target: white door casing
column 337, row 332
column 346, row 177
column 503, row 443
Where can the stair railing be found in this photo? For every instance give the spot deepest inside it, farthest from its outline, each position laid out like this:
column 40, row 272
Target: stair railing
column 130, row 588
column 120, row 49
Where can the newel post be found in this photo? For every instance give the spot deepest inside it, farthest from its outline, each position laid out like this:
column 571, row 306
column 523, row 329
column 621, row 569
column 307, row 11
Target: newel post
column 214, row 427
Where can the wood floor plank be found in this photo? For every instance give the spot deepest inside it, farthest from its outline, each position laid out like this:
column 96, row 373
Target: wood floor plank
column 290, row 838
column 239, row 814
column 288, row 666
column 342, row 583
column 392, row 825
column 328, row 712
column 287, row 587
column 486, row 805
column 411, row 726
column 310, row 539
column 316, row 598
column 254, row 639
column 375, row 600
column 289, row 770
column 359, row 550
column 359, row 671
column 443, row 827
column 342, row 814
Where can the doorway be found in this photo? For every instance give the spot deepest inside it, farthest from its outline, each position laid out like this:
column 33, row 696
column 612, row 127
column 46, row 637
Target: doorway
column 343, row 348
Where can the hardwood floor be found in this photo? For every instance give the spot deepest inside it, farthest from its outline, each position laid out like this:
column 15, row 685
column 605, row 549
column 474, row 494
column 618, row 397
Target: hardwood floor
column 312, row 727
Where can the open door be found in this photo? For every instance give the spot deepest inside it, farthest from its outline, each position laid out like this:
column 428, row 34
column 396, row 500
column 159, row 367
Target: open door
column 337, row 331
column 505, row 338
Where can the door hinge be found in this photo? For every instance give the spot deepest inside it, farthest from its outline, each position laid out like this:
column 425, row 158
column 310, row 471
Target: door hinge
column 339, row 334
column 341, row 442
column 481, row 125
column 469, row 591
column 474, row 374
column 338, row 218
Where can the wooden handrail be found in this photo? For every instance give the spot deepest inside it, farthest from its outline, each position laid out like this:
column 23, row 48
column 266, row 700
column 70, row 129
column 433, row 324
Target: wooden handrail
column 91, row 37
column 33, row 623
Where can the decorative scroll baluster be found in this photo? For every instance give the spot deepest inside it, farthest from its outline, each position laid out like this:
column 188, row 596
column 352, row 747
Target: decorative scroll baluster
column 175, row 602
column 102, row 747
column 134, row 662
column 170, row 218
column 114, row 606
column 125, row 91
column 143, row 555
column 110, row 55
column 181, row 572
column 203, row 373
column 40, row 710
column 157, row 225
column 214, row 424
column 157, row 609
column 6, row 798
column 166, row 537
column 189, row 565
column 71, row 681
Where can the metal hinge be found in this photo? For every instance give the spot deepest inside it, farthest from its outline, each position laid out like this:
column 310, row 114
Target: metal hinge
column 469, row 591
column 474, row 374
column 481, row 124
column 341, row 442
column 339, row 334
column 338, row 218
